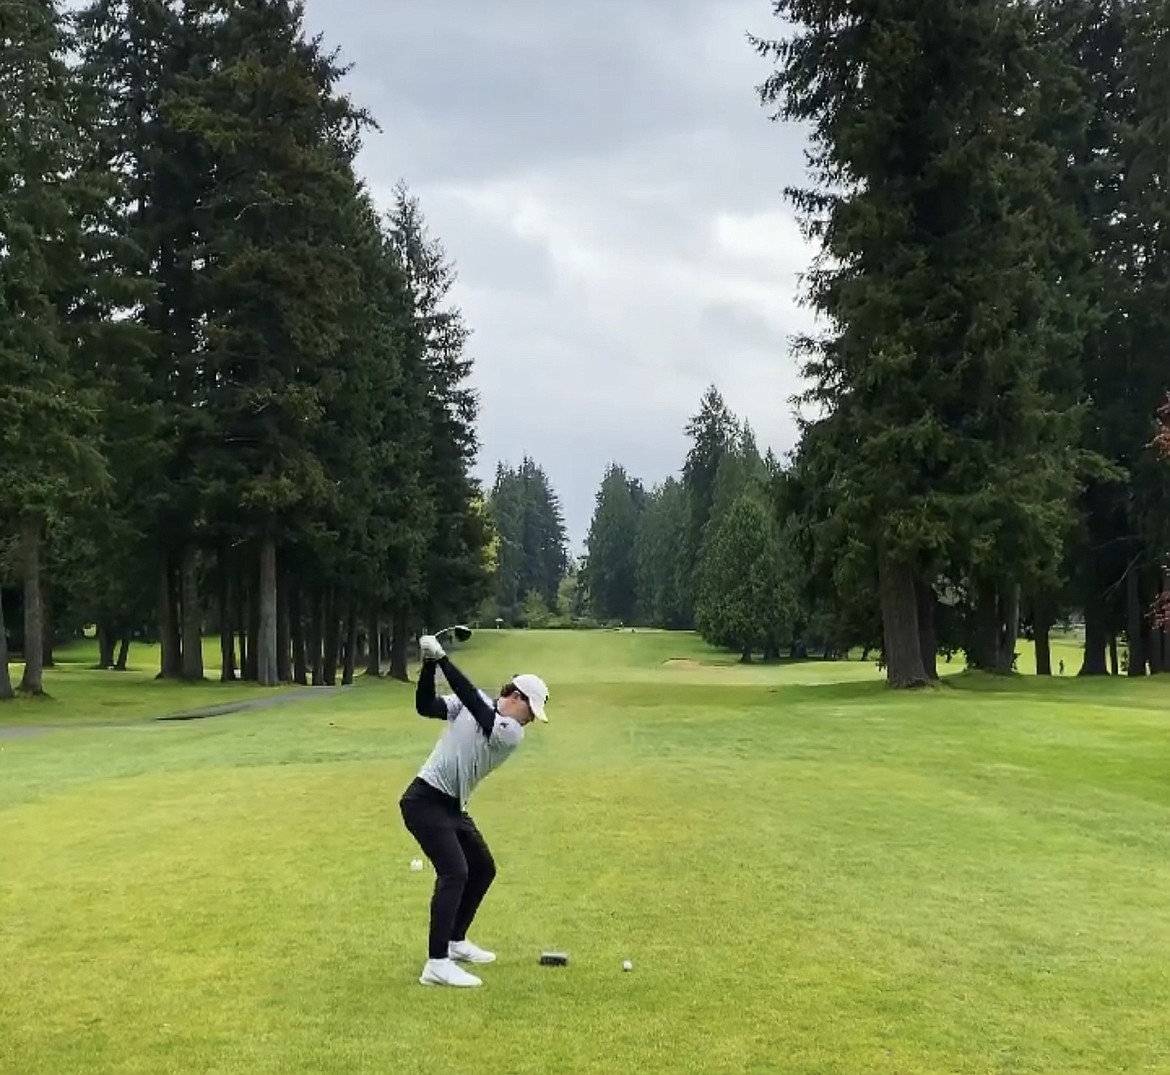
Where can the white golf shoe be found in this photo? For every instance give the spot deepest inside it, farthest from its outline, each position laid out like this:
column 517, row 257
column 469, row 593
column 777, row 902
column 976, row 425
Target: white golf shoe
column 447, row 972
column 466, row 952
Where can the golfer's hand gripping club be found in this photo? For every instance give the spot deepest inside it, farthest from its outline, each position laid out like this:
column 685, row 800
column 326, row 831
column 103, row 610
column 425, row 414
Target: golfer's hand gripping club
column 430, row 648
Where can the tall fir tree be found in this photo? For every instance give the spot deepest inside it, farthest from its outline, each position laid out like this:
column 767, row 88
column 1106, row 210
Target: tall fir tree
column 456, row 577
column 935, row 203
column 50, row 457
column 279, row 139
column 532, row 555
column 402, row 511
column 149, row 58
column 743, row 602
column 712, row 433
column 662, row 581
column 612, row 545
column 1122, row 48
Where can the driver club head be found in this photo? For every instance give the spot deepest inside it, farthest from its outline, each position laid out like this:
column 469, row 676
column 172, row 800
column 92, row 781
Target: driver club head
column 459, row 630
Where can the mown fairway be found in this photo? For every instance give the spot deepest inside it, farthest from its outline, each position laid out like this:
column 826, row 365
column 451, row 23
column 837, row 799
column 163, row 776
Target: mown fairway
column 810, row 874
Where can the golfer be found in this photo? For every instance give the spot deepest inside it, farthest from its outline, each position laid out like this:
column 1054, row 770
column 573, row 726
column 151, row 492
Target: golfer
column 480, row 736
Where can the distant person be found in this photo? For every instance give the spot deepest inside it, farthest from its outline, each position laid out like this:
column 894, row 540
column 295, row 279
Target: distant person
column 1062, row 666
column 480, row 736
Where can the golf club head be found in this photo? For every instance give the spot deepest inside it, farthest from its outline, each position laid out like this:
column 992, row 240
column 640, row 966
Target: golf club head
column 459, row 631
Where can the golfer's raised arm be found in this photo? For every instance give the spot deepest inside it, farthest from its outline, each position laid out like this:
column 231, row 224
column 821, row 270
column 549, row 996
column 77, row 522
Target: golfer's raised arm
column 485, row 715
column 426, row 702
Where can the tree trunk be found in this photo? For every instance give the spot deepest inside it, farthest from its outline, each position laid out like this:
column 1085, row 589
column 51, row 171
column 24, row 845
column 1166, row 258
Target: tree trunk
column 6, row 690
column 374, row 649
column 266, row 665
column 252, row 665
column 192, row 616
column 745, row 656
column 283, row 630
column 1113, row 664
column 242, row 621
column 983, row 648
column 1009, row 630
column 899, row 604
column 1096, row 641
column 1152, row 648
column 297, row 636
column 48, row 635
column 350, row 646
column 105, row 638
column 316, row 630
column 398, row 647
column 227, row 631
column 123, row 651
column 1041, row 628
column 32, row 682
column 1134, row 621
column 927, row 633
column 170, row 644
column 331, row 637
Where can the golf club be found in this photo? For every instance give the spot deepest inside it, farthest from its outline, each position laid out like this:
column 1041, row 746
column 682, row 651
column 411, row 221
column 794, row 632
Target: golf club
column 460, row 631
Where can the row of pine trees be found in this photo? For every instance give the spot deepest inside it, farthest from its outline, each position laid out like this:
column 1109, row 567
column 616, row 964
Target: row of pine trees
column 233, row 390
column 988, row 192
column 712, row 549
column 988, row 195
column 528, row 554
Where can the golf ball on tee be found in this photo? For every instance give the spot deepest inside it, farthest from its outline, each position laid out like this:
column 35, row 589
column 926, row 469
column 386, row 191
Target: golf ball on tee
column 627, row 965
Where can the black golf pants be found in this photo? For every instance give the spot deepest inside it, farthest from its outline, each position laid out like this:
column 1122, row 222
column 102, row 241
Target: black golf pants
column 464, row 867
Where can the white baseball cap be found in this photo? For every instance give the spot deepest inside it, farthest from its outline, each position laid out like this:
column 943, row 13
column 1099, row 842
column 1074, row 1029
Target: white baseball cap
column 535, row 690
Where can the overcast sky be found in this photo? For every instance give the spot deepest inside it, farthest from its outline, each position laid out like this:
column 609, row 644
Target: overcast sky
column 611, row 193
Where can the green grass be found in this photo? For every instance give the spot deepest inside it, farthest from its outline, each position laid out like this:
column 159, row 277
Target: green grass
column 78, row 692
column 810, row 874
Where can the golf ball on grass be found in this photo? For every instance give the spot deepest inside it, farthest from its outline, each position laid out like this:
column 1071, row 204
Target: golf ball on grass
column 627, row 965
column 416, row 864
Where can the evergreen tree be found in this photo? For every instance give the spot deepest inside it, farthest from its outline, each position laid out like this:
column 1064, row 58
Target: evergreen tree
column 532, row 553
column 148, row 57
column 49, row 454
column 1119, row 50
column 612, row 547
column 280, row 141
column 936, row 204
column 712, row 432
column 743, row 603
column 97, row 550
column 662, row 581
column 456, row 577
column 276, row 375
column 392, row 389
column 739, row 468
column 834, row 570
column 571, row 595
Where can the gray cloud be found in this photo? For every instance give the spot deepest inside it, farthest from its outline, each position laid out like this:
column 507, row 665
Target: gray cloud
column 610, row 191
